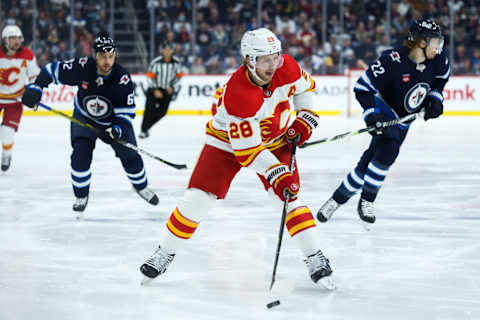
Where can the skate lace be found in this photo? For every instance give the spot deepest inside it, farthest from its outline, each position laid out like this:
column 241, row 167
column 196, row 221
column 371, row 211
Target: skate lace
column 367, row 208
column 329, row 208
column 146, row 193
column 80, row 201
column 316, row 261
column 160, row 260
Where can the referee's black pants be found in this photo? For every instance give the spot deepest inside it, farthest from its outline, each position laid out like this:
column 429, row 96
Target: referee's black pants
column 155, row 109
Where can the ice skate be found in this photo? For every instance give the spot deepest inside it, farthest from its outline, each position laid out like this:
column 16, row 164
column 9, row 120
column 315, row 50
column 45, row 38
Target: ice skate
column 6, row 161
column 366, row 211
column 327, row 210
column 156, row 265
column 79, row 206
column 320, row 270
column 148, row 195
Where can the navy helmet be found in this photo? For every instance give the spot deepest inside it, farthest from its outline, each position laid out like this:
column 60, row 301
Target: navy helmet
column 103, row 43
column 426, row 29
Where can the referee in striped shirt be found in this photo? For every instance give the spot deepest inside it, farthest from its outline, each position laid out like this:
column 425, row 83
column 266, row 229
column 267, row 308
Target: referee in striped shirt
column 163, row 73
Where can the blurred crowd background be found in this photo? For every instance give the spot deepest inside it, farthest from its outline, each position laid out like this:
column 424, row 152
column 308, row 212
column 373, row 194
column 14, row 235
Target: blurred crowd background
column 325, row 36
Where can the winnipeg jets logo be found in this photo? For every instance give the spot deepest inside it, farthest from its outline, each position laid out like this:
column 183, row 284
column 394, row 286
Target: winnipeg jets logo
column 415, row 96
column 395, row 56
column 98, row 107
column 83, row 61
column 124, row 79
column 99, row 81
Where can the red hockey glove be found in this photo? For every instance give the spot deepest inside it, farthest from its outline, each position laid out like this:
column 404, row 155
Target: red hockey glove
column 282, row 181
column 303, row 126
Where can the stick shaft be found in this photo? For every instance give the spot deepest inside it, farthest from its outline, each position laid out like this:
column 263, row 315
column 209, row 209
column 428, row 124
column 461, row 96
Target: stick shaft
column 284, row 215
column 119, row 141
column 367, row 129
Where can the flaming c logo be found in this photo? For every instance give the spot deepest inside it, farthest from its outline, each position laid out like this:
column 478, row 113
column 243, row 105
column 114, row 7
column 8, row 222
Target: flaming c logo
column 273, row 126
column 5, row 76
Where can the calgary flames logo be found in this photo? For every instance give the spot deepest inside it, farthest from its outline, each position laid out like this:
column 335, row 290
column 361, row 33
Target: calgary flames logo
column 5, row 75
column 274, row 125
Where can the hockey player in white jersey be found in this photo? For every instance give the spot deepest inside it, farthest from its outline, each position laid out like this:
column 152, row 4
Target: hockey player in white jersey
column 252, row 128
column 18, row 67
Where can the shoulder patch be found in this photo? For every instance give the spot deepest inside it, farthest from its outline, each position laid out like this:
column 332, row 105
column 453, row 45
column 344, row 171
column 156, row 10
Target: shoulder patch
column 395, row 56
column 243, row 99
column 124, row 79
column 83, row 61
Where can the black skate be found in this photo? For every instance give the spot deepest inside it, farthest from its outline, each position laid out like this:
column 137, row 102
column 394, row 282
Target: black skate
column 6, row 161
column 327, row 210
column 80, row 204
column 156, row 264
column 148, row 195
column 320, row 270
column 366, row 211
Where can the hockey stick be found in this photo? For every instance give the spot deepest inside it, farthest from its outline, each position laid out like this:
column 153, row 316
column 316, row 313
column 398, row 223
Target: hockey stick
column 284, row 214
column 378, row 125
column 119, row 141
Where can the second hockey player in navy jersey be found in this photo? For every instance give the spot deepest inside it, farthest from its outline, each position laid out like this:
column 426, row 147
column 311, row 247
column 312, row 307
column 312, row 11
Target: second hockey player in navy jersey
column 105, row 100
column 402, row 81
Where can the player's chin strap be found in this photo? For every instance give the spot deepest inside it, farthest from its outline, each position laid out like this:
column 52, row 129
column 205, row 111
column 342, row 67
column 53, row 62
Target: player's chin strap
column 377, row 126
column 119, row 141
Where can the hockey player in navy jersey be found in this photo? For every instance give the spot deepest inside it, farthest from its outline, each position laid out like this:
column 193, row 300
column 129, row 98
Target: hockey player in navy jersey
column 404, row 80
column 105, row 100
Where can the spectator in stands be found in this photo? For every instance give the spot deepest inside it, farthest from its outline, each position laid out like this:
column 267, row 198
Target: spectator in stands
column 198, row 67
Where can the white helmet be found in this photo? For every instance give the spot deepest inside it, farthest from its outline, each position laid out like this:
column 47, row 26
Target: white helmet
column 12, row 31
column 256, row 43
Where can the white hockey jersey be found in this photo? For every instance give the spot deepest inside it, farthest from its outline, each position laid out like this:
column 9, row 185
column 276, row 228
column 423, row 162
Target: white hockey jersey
column 15, row 73
column 251, row 120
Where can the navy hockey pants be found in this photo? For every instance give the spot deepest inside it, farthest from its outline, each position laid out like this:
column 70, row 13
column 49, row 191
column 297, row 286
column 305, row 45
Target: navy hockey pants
column 83, row 142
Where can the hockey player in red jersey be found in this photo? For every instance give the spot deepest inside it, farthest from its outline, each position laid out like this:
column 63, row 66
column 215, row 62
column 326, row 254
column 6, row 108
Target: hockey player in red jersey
column 18, row 67
column 252, row 128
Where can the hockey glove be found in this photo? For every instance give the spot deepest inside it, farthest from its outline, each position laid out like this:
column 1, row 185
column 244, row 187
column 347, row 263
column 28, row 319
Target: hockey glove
column 373, row 118
column 433, row 105
column 32, row 95
column 303, row 126
column 282, row 181
column 114, row 132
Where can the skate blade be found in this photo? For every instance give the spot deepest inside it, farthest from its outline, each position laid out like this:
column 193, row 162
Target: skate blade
column 328, row 283
column 365, row 225
column 79, row 216
column 146, row 281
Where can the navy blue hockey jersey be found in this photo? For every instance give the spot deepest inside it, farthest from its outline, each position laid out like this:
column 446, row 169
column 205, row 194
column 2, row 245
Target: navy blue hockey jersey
column 397, row 85
column 104, row 100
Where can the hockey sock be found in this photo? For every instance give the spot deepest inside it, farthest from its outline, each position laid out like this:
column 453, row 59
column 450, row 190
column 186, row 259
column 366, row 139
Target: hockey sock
column 352, row 183
column 7, row 134
column 185, row 218
column 374, row 178
column 301, row 226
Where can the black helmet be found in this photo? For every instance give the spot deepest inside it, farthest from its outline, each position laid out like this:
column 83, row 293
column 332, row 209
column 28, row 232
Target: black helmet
column 103, row 43
column 425, row 28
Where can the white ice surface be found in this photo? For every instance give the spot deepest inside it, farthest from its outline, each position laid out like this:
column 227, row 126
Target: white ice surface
column 420, row 261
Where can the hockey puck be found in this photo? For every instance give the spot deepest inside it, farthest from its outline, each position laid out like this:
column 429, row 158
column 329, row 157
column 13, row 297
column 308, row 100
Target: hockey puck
column 273, row 304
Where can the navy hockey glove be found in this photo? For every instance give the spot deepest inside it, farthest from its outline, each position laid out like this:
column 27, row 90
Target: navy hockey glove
column 373, row 118
column 32, row 95
column 114, row 132
column 433, row 105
